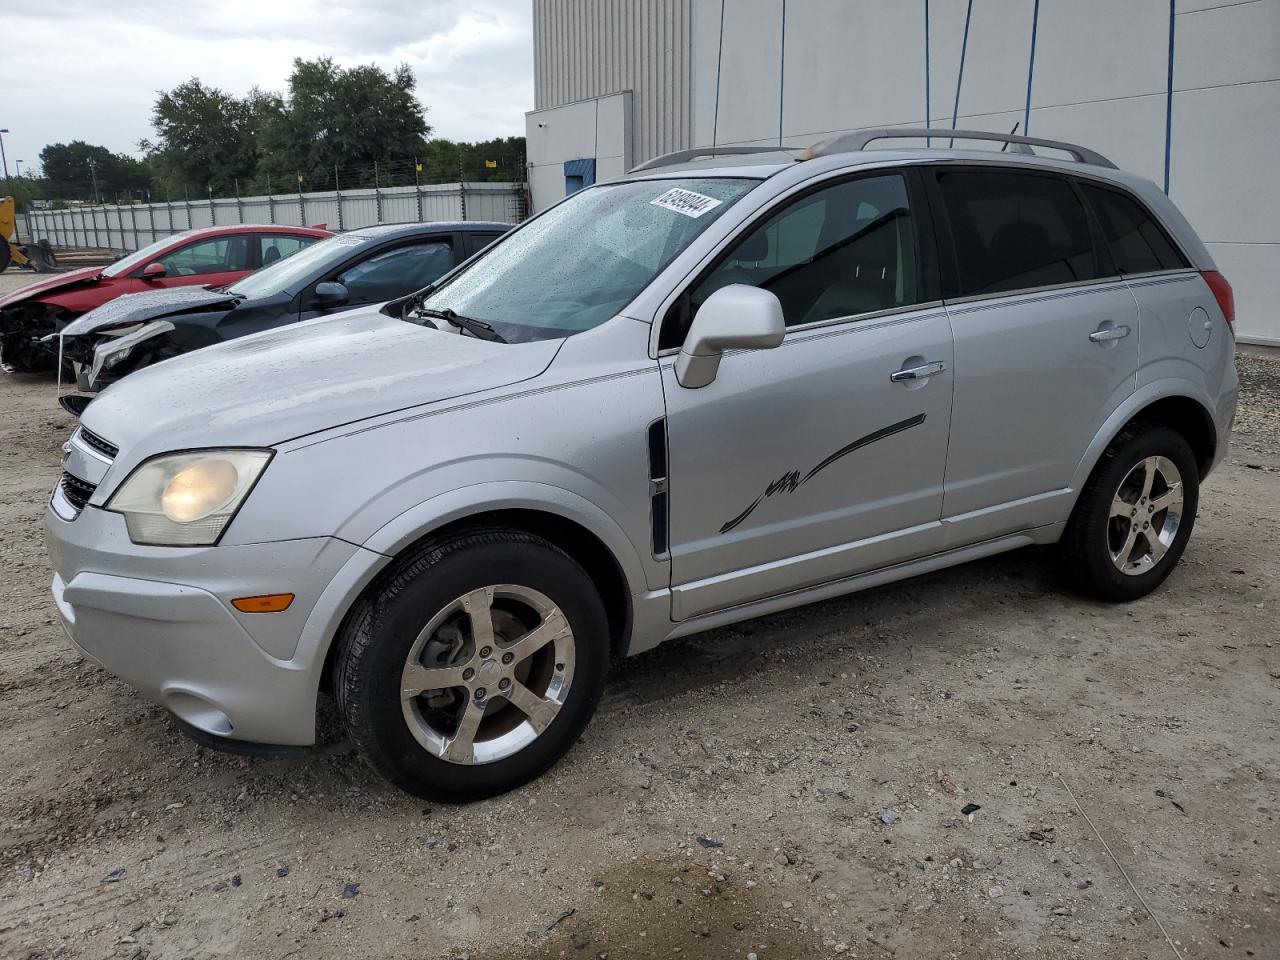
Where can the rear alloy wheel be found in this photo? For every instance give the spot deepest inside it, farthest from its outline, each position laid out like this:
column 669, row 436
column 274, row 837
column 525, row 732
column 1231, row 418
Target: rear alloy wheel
column 1135, row 515
column 474, row 665
column 1145, row 515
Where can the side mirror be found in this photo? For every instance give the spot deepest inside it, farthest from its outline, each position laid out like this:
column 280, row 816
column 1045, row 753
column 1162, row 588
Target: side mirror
column 154, row 271
column 330, row 294
column 736, row 317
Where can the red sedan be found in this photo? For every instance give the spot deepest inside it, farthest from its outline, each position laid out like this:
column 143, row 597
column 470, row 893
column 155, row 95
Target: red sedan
column 212, row 256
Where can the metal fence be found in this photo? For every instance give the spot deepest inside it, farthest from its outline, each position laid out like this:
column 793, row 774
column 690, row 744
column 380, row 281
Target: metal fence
column 132, row 226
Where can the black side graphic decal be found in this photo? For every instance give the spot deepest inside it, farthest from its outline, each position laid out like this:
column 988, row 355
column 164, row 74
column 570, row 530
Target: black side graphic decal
column 792, row 481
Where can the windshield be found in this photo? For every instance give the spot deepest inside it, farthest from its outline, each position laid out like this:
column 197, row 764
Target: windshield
column 578, row 264
column 284, row 274
column 139, row 257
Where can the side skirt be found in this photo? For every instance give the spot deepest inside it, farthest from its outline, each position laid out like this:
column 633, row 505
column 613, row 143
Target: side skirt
column 862, row 581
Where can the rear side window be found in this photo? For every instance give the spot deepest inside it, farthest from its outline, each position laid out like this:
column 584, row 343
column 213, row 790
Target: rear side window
column 275, row 247
column 1014, row 231
column 1137, row 243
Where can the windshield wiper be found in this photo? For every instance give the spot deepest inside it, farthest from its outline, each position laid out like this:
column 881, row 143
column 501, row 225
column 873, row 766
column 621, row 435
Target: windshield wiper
column 477, row 328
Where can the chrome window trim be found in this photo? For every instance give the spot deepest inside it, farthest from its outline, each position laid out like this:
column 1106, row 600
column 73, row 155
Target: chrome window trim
column 1050, row 288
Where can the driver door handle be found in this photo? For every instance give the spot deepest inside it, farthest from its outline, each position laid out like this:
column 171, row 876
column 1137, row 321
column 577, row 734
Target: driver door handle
column 922, row 372
column 1109, row 333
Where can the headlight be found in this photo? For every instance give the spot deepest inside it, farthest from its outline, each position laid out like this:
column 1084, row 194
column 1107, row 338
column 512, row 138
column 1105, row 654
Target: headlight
column 187, row 499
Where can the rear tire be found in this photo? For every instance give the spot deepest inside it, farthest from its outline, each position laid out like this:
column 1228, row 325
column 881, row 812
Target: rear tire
column 1134, row 516
column 473, row 666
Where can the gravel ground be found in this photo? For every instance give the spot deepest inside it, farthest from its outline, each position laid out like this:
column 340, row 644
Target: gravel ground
column 792, row 787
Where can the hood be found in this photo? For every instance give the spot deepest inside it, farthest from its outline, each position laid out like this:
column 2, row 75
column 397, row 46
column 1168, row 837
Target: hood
column 59, row 281
column 307, row 377
column 149, row 305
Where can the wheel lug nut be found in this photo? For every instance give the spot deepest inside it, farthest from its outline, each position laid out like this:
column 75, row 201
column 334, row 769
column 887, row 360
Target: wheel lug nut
column 485, row 651
column 559, row 666
column 480, row 693
column 504, row 683
column 508, row 657
column 468, row 673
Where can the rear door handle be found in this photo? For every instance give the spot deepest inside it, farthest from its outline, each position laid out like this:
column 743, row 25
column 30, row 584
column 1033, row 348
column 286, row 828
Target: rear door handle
column 1109, row 333
column 922, row 372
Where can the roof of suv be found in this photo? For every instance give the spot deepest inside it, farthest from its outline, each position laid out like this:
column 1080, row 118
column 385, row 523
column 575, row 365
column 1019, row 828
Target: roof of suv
column 851, row 150
column 762, row 165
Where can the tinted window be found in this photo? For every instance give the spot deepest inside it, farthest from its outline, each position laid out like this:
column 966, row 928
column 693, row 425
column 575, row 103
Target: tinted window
column 1136, row 241
column 220, row 255
column 839, row 252
column 1013, row 231
column 394, row 273
column 278, row 247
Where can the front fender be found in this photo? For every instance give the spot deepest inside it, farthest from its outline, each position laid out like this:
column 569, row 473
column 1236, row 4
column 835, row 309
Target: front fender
column 420, row 520
column 1140, row 399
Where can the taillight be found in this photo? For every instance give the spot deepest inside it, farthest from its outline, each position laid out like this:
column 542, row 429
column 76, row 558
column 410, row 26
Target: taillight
column 1222, row 293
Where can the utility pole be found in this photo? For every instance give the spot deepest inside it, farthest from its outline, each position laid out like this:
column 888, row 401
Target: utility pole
column 93, row 174
column 18, row 173
column 3, row 158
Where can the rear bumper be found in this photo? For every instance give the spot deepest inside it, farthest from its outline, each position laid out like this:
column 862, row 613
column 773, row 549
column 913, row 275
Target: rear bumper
column 161, row 619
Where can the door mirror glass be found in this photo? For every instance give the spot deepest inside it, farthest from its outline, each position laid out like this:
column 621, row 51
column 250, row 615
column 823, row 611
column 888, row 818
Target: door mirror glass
column 330, row 294
column 154, row 271
column 736, row 317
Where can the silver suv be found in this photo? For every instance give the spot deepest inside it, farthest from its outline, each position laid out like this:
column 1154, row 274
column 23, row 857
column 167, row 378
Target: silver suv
column 729, row 383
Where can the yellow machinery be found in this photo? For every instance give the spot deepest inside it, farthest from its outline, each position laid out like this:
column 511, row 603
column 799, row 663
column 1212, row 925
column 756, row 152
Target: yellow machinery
column 36, row 256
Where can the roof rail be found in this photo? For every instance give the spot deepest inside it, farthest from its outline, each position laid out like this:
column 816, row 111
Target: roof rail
column 851, row 142
column 680, row 156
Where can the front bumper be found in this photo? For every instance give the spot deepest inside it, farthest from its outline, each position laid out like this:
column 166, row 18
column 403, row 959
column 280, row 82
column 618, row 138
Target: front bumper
column 161, row 619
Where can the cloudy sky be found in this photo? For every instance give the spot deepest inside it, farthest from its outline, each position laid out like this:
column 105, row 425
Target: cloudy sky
column 90, row 70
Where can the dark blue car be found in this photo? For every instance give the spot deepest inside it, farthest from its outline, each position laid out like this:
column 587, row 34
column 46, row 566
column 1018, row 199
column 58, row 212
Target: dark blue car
column 366, row 266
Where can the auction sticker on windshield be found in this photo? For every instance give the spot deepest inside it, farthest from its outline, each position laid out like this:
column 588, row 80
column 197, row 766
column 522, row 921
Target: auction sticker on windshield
column 686, row 202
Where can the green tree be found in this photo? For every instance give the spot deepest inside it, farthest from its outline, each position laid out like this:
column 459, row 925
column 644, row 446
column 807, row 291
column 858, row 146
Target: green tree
column 206, row 139
column 344, row 117
column 70, row 168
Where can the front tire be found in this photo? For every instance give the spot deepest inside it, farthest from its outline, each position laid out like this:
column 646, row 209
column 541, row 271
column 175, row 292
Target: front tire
column 473, row 666
column 1135, row 515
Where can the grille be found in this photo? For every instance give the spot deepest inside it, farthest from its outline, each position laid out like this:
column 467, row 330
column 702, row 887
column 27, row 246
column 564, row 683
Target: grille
column 76, row 490
column 95, row 441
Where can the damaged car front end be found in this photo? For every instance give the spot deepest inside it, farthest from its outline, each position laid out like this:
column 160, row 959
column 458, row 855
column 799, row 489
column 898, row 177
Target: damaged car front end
column 22, row 328
column 135, row 331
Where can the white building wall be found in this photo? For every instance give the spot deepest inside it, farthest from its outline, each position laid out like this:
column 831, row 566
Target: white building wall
column 598, row 129
column 585, row 49
column 801, row 70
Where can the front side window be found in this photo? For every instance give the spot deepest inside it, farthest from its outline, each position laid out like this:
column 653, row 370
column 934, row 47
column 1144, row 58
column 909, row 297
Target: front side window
column 140, row 257
column 1015, row 231
column 1137, row 243
column 577, row 265
column 394, row 273
column 840, row 251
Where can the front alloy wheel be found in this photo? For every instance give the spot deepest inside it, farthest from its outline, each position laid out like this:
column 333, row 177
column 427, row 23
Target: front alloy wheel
column 473, row 664
column 488, row 674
